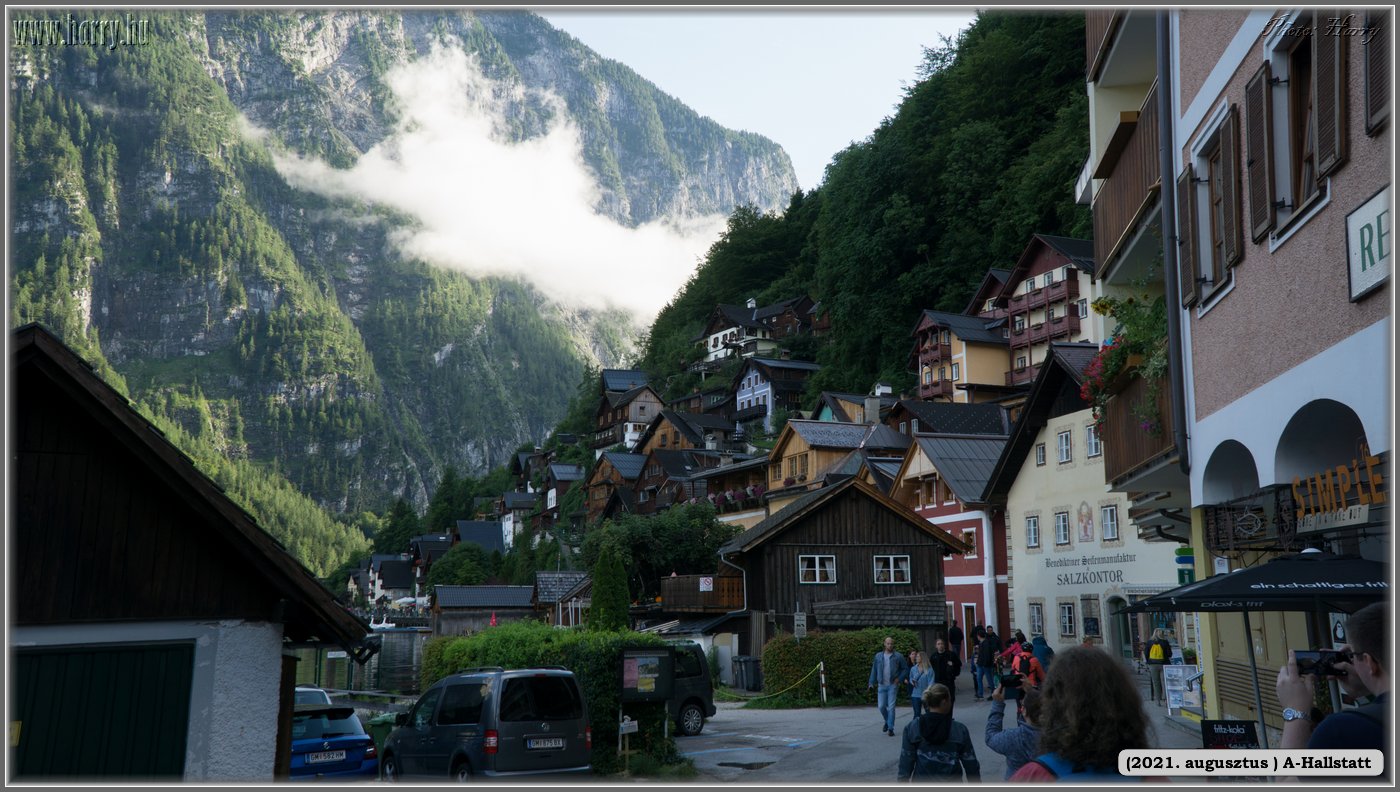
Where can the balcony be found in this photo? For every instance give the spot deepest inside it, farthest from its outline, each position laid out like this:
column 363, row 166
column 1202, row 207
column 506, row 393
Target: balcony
column 1132, row 180
column 936, row 389
column 607, row 437
column 934, row 352
column 1021, row 376
column 1099, row 27
column 1128, row 447
column 751, row 413
column 682, row 594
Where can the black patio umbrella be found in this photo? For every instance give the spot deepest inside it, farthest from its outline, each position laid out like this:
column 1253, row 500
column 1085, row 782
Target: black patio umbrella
column 1310, row 581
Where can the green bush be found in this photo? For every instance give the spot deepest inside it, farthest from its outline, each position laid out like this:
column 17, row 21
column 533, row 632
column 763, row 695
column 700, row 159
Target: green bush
column 847, row 655
column 595, row 657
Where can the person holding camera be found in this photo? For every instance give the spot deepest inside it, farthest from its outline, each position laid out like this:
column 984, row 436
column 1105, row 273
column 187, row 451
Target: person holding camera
column 1360, row 669
column 1022, row 743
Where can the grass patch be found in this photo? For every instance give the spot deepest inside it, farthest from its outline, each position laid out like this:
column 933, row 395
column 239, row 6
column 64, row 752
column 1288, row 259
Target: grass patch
column 645, row 766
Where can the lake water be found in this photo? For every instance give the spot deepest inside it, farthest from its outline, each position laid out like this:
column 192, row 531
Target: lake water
column 393, row 669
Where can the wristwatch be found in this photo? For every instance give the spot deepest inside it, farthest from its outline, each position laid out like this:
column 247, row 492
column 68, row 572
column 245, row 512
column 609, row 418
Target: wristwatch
column 1290, row 714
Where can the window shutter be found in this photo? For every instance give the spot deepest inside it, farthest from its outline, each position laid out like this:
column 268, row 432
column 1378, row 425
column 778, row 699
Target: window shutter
column 1377, row 71
column 1329, row 92
column 1259, row 156
column 1186, row 235
column 1229, row 162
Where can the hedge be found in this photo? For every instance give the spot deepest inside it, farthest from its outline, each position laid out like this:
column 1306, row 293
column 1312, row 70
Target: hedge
column 847, row 655
column 595, row 658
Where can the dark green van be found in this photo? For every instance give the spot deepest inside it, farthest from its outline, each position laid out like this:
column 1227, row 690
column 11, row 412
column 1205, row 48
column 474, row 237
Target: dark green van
column 692, row 693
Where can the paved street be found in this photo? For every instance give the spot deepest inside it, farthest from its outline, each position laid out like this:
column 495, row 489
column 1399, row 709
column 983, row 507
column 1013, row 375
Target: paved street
column 843, row 744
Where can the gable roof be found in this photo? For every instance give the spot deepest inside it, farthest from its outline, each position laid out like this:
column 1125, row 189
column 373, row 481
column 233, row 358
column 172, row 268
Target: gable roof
column 884, row 470
column 973, row 329
column 918, row 610
column 484, row 596
column 379, row 558
column 621, row 380
column 629, row 466
column 965, row 462
column 1062, row 371
column 785, row 518
column 485, row 534
column 520, row 500
column 1080, row 252
column 618, row 399
column 430, row 548
column 560, row 471
column 833, row 399
column 684, row 463
column 312, row 614
column 778, row 363
column 551, row 586
column 831, row 434
column 988, row 289
column 958, row 417
column 396, row 574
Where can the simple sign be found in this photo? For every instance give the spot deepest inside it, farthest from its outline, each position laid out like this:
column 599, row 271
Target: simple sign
column 627, row 726
column 1174, row 682
column 707, row 584
column 1369, row 244
column 647, row 674
column 799, row 624
column 1229, row 734
column 336, row 655
column 1342, row 495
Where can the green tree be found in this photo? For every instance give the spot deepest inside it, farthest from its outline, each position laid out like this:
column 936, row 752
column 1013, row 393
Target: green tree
column 463, row 565
column 683, row 539
column 609, row 609
column 400, row 526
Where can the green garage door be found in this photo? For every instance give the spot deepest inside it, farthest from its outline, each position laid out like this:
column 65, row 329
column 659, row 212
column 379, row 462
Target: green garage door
column 101, row 711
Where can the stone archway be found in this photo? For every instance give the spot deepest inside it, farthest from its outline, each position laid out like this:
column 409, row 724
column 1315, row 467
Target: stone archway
column 1119, row 639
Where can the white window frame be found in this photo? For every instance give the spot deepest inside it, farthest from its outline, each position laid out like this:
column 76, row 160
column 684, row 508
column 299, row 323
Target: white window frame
column 1033, row 531
column 1049, row 278
column 1082, row 307
column 956, row 371
column 1093, row 446
column 1108, row 523
column 1064, row 442
column 1018, row 322
column 969, row 536
column 1061, row 528
column 1067, row 620
column 1021, row 362
column 1040, row 455
column 1278, row 48
column 1037, row 614
column 896, row 564
column 817, row 570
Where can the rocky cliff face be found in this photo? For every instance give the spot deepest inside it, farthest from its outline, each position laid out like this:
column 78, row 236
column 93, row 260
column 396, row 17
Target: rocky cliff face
column 153, row 231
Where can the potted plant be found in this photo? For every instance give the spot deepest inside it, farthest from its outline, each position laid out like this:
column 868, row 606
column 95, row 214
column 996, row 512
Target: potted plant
column 1138, row 348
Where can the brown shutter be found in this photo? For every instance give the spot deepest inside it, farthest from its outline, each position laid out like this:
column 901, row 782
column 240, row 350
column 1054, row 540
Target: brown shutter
column 1230, row 163
column 1329, row 94
column 1186, row 235
column 1259, row 154
column 1377, row 49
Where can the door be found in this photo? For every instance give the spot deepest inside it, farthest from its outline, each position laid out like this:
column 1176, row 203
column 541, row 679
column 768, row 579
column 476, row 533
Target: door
column 540, row 721
column 417, row 743
column 969, row 620
column 101, row 711
column 458, row 724
column 1121, row 637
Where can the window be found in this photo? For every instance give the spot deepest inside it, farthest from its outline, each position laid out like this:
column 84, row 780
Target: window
column 1039, row 454
column 904, row 427
column 1108, row 518
column 461, row 704
column 1037, row 619
column 1066, row 619
column 889, row 569
column 956, row 368
column 1064, row 439
column 1089, row 609
column 816, row 569
column 970, row 539
column 1020, row 362
column 775, row 471
column 1050, row 314
column 1082, row 307
column 802, row 466
column 1061, row 528
column 1019, row 323
column 1092, row 446
column 942, row 373
column 1033, row 531
column 1295, row 121
column 1049, row 277
column 943, row 337
column 1377, row 64
column 915, row 424
column 928, row 375
column 422, row 714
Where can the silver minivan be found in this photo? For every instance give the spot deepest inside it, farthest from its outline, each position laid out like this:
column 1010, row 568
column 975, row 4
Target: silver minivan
column 494, row 723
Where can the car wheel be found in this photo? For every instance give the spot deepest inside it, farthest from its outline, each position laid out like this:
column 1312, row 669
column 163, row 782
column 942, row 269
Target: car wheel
column 389, row 767
column 462, row 772
column 692, row 719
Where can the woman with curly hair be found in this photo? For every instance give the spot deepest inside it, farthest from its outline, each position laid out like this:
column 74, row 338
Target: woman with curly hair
column 1090, row 710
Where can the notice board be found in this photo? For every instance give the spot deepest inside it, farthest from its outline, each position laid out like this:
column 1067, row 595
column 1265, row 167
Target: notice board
column 647, row 674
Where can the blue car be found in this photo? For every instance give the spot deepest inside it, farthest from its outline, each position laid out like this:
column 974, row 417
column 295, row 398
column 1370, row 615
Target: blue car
column 329, row 742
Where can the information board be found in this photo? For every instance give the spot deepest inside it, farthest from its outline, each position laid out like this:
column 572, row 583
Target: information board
column 647, row 674
column 1174, row 683
column 1229, row 734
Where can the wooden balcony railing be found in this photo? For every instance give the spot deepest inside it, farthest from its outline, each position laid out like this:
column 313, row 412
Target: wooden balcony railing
column 682, row 594
column 1099, row 27
column 936, row 389
column 931, row 351
column 607, row 437
column 1021, row 376
column 1132, row 180
column 1129, row 445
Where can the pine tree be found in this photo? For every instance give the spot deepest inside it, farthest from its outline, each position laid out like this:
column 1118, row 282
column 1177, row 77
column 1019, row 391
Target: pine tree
column 609, row 610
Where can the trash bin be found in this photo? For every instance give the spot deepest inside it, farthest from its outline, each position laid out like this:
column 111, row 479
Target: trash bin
column 748, row 675
column 379, row 727
column 740, row 669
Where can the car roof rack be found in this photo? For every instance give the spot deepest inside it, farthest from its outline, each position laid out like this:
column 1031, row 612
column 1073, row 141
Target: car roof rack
column 478, row 668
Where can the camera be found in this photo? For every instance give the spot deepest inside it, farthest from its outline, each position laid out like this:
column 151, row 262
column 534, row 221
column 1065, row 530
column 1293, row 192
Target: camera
column 1010, row 680
column 1322, row 663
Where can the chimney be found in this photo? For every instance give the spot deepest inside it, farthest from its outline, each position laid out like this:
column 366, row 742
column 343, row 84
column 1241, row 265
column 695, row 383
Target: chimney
column 872, row 409
column 752, row 303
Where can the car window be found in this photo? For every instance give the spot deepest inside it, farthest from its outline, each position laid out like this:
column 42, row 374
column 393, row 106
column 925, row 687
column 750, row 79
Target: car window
column 687, row 664
column 540, row 698
column 423, row 710
column 311, row 696
column 461, row 704
column 333, row 723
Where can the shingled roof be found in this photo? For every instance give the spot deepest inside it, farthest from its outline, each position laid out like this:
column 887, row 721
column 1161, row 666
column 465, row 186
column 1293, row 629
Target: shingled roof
column 965, row 462
column 958, row 417
column 629, row 466
column 396, row 574
column 913, row 611
column 970, row 328
column 831, row 434
column 551, row 586
column 560, row 471
column 1080, row 252
column 520, row 500
column 484, row 596
column 621, row 380
column 485, row 534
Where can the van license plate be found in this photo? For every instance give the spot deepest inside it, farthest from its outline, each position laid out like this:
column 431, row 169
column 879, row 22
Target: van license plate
column 545, row 743
column 327, row 756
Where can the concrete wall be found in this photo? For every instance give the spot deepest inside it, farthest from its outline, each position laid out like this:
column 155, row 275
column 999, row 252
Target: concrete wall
column 232, row 734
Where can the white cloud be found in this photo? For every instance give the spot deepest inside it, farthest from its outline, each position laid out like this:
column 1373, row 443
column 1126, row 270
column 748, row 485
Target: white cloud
column 488, row 206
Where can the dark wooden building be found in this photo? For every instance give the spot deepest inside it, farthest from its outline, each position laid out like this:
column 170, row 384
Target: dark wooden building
column 847, row 557
column 151, row 616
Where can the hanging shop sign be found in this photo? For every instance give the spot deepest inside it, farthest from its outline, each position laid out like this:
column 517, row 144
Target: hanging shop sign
column 1369, row 244
column 1340, row 496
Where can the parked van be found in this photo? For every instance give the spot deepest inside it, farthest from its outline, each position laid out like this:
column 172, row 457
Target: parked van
column 494, row 723
column 692, row 692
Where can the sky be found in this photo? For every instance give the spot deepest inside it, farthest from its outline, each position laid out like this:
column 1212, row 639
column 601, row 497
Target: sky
column 813, row 82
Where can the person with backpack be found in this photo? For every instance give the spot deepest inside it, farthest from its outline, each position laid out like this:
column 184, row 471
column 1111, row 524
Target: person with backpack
column 936, row 747
column 1159, row 654
column 1090, row 709
column 1042, row 651
column 1031, row 671
column 1366, row 678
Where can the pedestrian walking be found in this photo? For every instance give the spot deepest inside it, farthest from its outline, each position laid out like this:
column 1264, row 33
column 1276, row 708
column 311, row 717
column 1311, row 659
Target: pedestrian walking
column 955, row 639
column 987, row 660
column 936, row 747
column 1158, row 653
column 888, row 669
column 979, row 634
column 920, row 677
column 946, row 667
column 1042, row 651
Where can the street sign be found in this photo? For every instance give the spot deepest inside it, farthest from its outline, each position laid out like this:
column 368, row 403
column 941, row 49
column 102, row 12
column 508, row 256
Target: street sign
column 707, row 584
column 627, row 726
column 799, row 624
